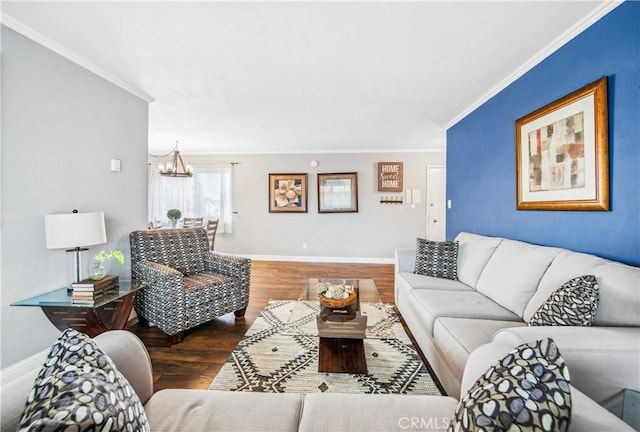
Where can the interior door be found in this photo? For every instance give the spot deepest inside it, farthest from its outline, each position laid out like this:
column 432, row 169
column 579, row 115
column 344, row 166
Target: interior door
column 436, row 197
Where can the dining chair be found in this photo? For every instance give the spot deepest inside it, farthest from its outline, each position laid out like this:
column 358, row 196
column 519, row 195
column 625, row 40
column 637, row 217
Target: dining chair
column 193, row 222
column 212, row 227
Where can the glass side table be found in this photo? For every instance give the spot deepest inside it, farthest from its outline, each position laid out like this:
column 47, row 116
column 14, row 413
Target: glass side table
column 109, row 312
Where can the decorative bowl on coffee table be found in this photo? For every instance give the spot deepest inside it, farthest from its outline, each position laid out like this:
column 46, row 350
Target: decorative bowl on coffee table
column 335, row 296
column 337, row 303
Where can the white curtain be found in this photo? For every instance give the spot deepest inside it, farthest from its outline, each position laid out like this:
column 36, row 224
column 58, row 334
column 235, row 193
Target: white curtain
column 207, row 194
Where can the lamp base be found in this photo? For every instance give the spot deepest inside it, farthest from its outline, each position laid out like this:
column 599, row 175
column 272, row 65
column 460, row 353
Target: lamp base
column 77, row 266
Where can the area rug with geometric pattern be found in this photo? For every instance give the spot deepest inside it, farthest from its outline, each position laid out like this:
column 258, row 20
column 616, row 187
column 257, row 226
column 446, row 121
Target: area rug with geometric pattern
column 279, row 354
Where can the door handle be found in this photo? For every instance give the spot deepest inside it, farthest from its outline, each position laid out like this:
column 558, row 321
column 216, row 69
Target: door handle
column 435, row 220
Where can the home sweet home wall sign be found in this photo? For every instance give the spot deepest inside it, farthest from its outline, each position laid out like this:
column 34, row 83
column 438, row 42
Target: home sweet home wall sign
column 390, row 177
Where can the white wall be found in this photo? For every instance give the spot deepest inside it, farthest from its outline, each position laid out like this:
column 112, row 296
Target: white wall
column 61, row 126
column 373, row 233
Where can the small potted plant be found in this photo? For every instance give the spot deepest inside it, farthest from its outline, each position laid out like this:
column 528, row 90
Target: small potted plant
column 102, row 263
column 174, row 215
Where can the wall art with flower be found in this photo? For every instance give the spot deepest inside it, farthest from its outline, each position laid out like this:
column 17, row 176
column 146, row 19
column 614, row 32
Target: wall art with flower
column 288, row 193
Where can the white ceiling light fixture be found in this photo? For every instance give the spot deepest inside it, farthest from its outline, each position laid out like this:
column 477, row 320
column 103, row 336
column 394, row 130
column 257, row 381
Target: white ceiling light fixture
column 177, row 167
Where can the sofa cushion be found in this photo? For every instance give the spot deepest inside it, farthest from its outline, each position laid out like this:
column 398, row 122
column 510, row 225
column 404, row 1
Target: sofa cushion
column 210, row 410
column 473, row 253
column 79, row 387
column 513, row 273
column 437, row 259
column 432, row 304
column 379, row 412
column 528, row 388
column 418, row 281
column 575, row 303
column 619, row 295
column 566, row 265
column 456, row 338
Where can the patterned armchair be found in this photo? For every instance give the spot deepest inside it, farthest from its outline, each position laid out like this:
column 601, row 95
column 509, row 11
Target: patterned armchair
column 188, row 284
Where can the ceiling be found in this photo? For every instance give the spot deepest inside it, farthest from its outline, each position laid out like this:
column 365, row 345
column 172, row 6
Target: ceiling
column 263, row 77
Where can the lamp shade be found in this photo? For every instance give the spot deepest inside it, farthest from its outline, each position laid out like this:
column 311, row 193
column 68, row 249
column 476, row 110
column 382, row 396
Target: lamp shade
column 74, row 229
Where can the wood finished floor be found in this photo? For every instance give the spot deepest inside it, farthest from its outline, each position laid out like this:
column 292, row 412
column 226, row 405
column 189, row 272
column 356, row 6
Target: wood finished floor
column 197, row 359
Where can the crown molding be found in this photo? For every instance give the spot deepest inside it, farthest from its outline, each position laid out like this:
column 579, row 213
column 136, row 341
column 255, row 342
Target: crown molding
column 556, row 44
column 39, row 38
column 316, row 152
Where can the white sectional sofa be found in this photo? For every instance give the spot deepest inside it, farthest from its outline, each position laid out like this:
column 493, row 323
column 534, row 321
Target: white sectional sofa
column 207, row 410
column 501, row 283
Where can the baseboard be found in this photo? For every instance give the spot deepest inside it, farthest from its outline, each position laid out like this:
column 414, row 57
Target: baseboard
column 322, row 259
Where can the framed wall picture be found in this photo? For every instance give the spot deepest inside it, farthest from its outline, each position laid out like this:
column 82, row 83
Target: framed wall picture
column 562, row 153
column 338, row 193
column 288, row 193
column 390, row 176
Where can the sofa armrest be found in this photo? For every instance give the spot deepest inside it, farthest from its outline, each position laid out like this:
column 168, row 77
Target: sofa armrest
column 16, row 381
column 230, row 265
column 405, row 260
column 124, row 348
column 602, row 360
column 586, row 414
column 131, row 359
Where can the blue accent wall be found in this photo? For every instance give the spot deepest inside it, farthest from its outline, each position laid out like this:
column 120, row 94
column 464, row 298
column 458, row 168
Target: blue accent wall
column 481, row 155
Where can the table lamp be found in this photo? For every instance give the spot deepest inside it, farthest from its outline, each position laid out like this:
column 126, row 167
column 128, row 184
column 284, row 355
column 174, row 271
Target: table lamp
column 75, row 231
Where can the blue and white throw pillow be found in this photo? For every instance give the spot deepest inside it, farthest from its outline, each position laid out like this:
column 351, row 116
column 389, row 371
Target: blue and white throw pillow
column 437, row 259
column 528, row 389
column 79, row 389
column 575, row 303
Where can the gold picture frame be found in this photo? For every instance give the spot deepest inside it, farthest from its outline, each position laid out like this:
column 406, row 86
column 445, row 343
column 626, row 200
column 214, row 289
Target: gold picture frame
column 562, row 153
column 338, row 193
column 288, row 193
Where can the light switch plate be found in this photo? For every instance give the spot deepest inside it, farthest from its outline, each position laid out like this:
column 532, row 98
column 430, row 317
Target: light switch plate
column 115, row 165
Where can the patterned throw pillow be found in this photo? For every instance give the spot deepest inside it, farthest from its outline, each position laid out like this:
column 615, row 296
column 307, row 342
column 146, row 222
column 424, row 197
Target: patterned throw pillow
column 575, row 303
column 437, row 259
column 528, row 389
column 79, row 388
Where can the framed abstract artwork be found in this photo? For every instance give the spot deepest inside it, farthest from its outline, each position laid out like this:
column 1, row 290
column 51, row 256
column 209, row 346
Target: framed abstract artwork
column 562, row 153
column 338, row 193
column 288, row 193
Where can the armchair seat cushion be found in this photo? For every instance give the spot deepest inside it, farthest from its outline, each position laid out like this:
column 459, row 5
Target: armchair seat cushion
column 210, row 294
column 198, row 285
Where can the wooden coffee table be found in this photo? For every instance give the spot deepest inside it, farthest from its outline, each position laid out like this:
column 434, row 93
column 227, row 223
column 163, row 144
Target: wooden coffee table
column 341, row 331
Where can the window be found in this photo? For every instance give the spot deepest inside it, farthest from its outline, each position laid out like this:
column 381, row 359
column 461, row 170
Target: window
column 207, row 194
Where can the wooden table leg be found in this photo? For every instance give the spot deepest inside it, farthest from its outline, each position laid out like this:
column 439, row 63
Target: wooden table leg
column 89, row 320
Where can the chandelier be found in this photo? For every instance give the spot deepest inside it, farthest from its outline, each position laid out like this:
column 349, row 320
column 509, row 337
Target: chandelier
column 176, row 168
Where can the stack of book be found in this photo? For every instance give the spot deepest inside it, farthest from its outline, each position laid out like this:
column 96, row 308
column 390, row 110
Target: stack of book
column 89, row 291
